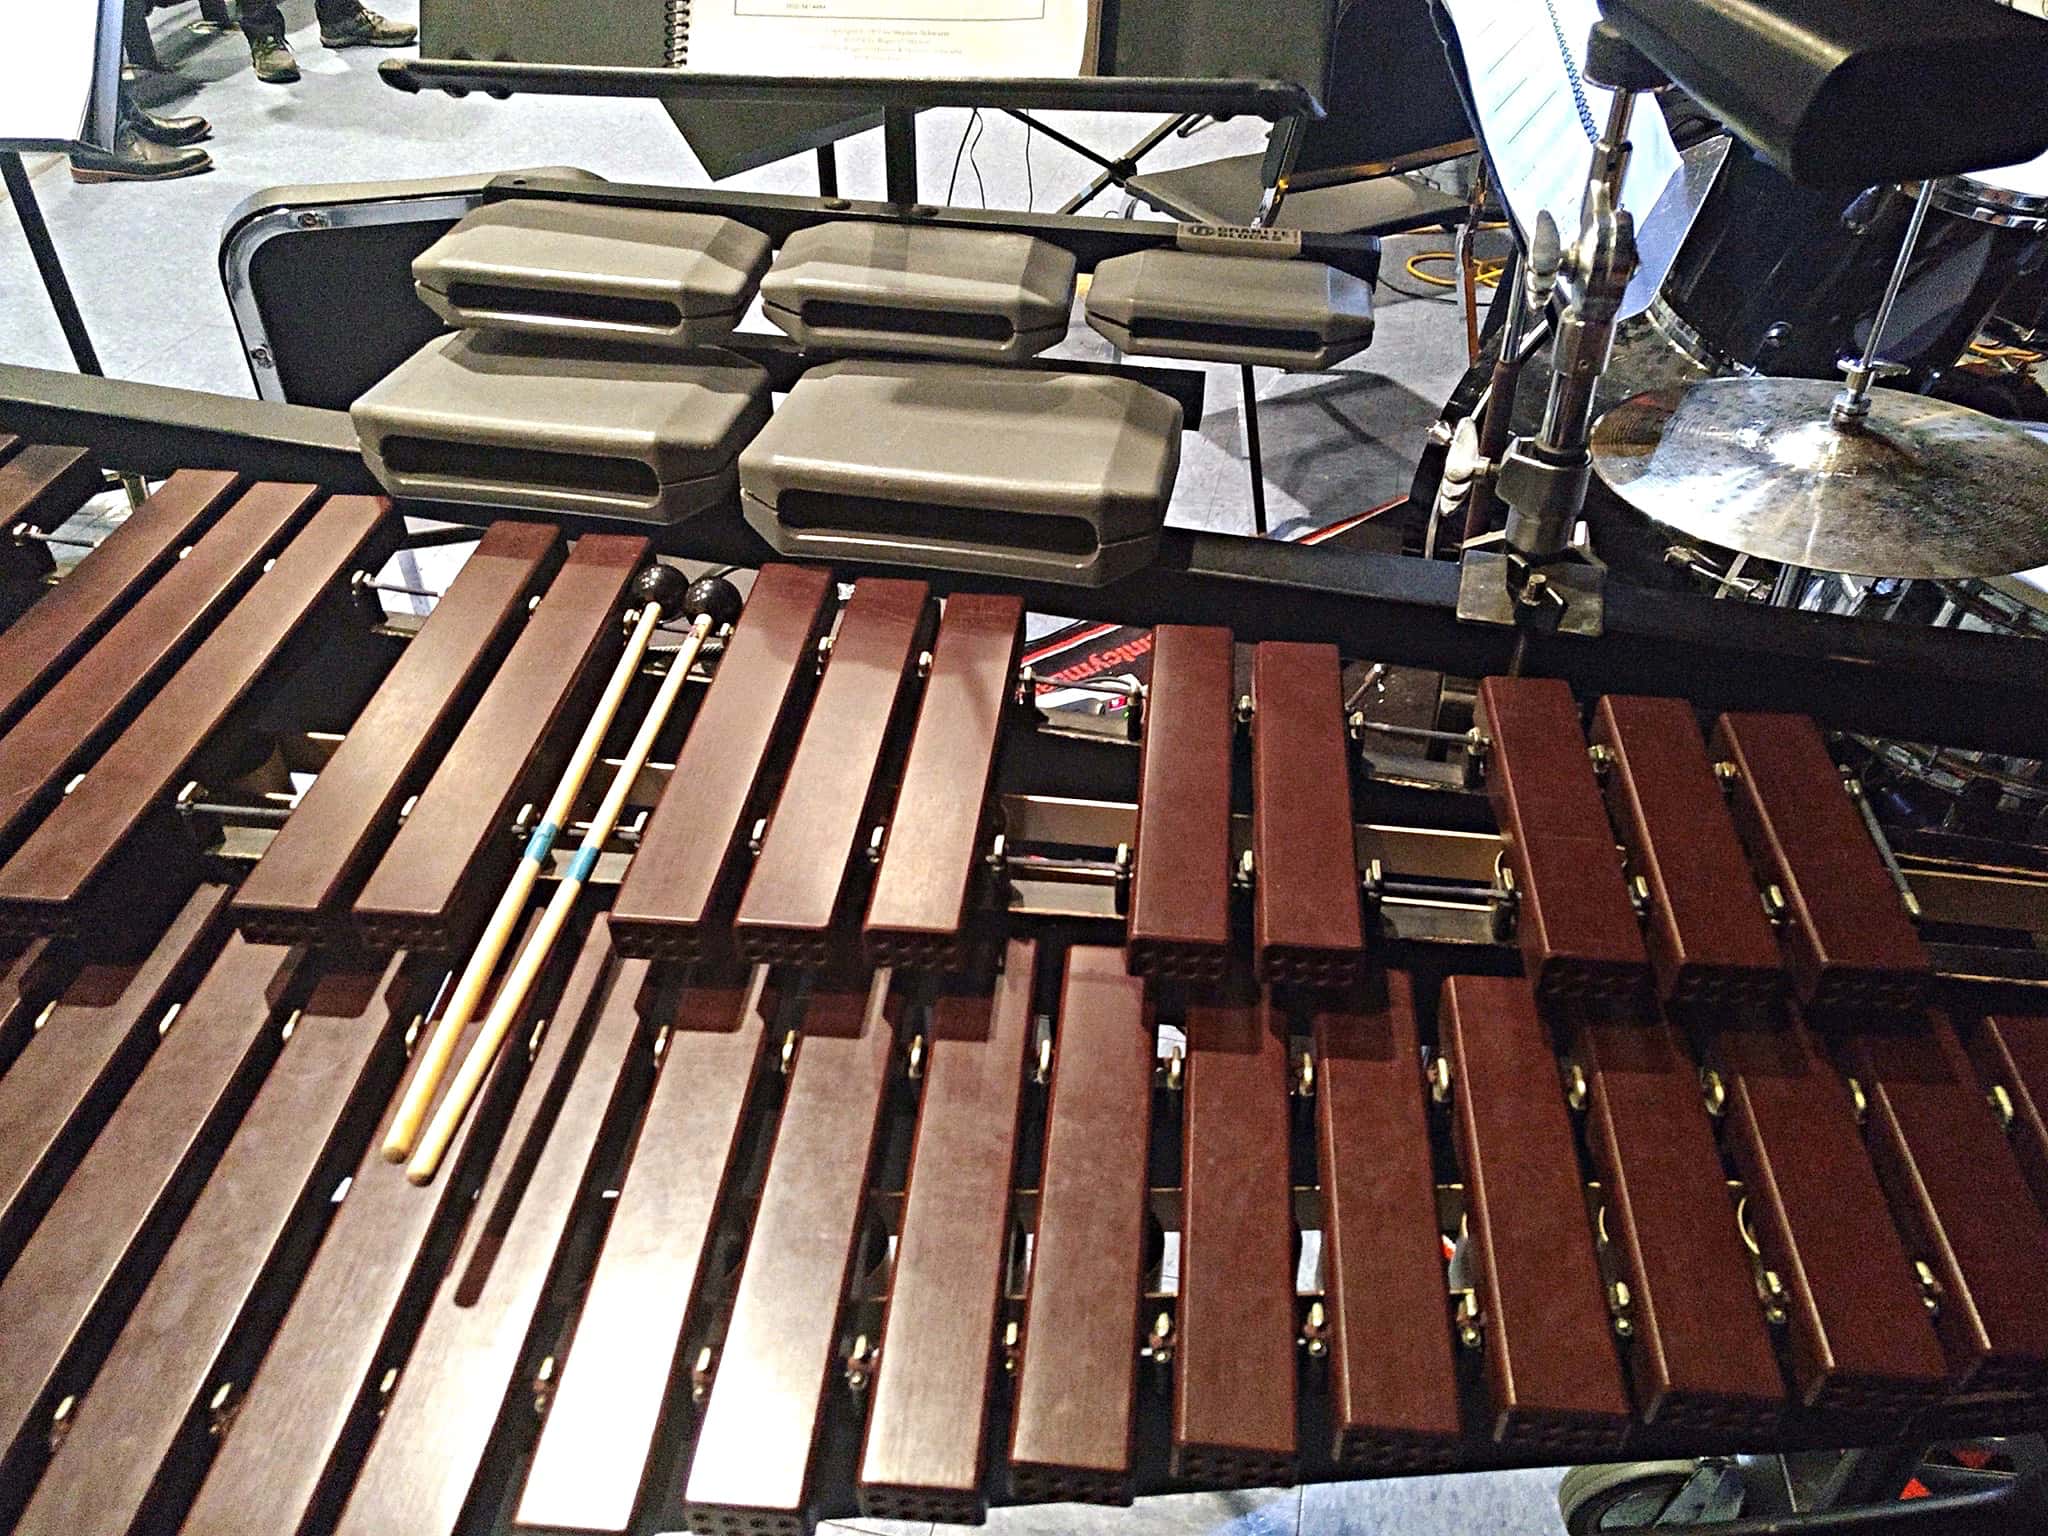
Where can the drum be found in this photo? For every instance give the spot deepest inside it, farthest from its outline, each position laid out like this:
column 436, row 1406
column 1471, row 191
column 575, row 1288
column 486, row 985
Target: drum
column 1785, row 280
column 1973, row 793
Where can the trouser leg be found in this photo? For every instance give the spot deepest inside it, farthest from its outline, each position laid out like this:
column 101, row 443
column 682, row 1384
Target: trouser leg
column 260, row 18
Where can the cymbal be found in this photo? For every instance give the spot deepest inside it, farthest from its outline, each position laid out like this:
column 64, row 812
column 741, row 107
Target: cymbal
column 1921, row 488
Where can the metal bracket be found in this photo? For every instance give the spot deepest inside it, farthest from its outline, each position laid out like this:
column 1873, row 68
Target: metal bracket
column 1568, row 595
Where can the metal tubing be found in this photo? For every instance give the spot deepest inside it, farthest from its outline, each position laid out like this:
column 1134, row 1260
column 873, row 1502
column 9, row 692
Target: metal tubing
column 55, row 283
column 899, row 154
column 1254, row 459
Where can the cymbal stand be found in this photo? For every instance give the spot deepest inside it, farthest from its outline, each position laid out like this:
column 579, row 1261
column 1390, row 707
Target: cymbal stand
column 1539, row 579
column 1852, row 405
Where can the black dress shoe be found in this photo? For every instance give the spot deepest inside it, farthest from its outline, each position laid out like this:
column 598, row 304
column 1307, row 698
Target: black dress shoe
column 171, row 132
column 134, row 158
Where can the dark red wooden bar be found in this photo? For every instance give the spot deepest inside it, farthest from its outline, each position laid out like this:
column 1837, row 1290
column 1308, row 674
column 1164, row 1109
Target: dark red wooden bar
column 54, row 870
column 1071, row 1435
column 1306, row 926
column 1959, row 1198
column 31, row 970
column 1860, row 1343
column 129, row 1457
column 922, row 1458
column 1393, row 1386
column 918, row 913
column 751, row 1468
column 685, row 877
column 315, row 1388
column 440, row 1421
column 41, row 484
column 1233, row 1376
column 100, row 1030
column 1179, row 923
column 1573, row 918
column 1700, row 1355
column 101, row 1236
column 2011, row 1052
column 1848, row 939
column 834, row 793
column 81, row 710
column 436, row 880
column 640, row 1309
column 1709, row 941
column 1551, row 1370
column 64, row 621
column 309, row 873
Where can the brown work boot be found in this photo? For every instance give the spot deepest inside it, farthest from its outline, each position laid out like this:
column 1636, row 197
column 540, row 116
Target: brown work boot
column 273, row 59
column 366, row 29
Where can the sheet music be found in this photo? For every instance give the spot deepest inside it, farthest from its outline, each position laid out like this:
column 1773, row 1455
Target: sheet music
column 1540, row 118
column 955, row 38
column 51, row 73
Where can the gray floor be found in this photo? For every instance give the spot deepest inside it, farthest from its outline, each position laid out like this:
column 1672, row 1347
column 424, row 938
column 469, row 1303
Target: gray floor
column 143, row 262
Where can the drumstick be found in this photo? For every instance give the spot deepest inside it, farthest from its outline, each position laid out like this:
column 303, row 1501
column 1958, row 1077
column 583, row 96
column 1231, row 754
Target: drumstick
column 657, row 587
column 526, row 969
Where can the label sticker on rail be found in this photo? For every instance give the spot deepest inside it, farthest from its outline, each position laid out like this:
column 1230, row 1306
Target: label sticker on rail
column 1239, row 240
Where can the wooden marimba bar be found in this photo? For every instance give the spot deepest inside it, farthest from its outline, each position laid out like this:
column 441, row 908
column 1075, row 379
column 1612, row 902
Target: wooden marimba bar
column 888, row 1138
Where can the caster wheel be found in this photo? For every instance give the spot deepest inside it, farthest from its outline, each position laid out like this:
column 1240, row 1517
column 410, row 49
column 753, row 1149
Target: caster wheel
column 1627, row 1496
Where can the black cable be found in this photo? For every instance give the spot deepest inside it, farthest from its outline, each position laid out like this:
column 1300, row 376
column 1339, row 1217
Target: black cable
column 1030, row 187
column 960, row 154
column 974, row 157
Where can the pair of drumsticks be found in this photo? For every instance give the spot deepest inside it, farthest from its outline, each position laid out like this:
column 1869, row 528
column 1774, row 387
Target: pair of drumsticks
column 660, row 590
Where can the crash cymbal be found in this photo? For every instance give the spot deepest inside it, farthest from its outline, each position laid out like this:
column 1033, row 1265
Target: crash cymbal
column 1920, row 488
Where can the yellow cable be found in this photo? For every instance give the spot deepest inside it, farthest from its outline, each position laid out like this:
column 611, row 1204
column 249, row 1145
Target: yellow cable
column 1488, row 275
column 2004, row 354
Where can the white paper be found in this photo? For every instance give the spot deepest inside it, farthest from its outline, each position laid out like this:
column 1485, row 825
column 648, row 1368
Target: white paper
column 885, row 38
column 52, row 73
column 1540, row 118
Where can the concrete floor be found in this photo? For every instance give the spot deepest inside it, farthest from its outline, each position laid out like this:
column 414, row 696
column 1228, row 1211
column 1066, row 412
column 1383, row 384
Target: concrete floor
column 143, row 261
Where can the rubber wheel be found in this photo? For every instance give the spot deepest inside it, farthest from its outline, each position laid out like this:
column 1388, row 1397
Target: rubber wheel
column 1626, row 1496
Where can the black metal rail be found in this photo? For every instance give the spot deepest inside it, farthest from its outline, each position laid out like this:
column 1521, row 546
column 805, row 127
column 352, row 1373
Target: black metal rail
column 1273, row 100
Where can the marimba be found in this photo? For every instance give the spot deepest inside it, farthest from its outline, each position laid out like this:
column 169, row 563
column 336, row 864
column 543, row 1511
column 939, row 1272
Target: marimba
column 909, row 1130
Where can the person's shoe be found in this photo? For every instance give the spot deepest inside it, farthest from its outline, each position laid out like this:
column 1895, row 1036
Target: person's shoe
column 273, row 59
column 134, row 158
column 366, row 29
column 171, row 132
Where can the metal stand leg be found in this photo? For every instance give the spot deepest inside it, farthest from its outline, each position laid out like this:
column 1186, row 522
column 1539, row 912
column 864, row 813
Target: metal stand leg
column 1114, row 172
column 55, row 284
column 899, row 154
column 1281, row 150
column 1253, row 457
column 828, row 171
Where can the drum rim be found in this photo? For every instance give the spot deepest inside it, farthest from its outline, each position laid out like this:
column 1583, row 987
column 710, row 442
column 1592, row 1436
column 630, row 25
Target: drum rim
column 1985, row 203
